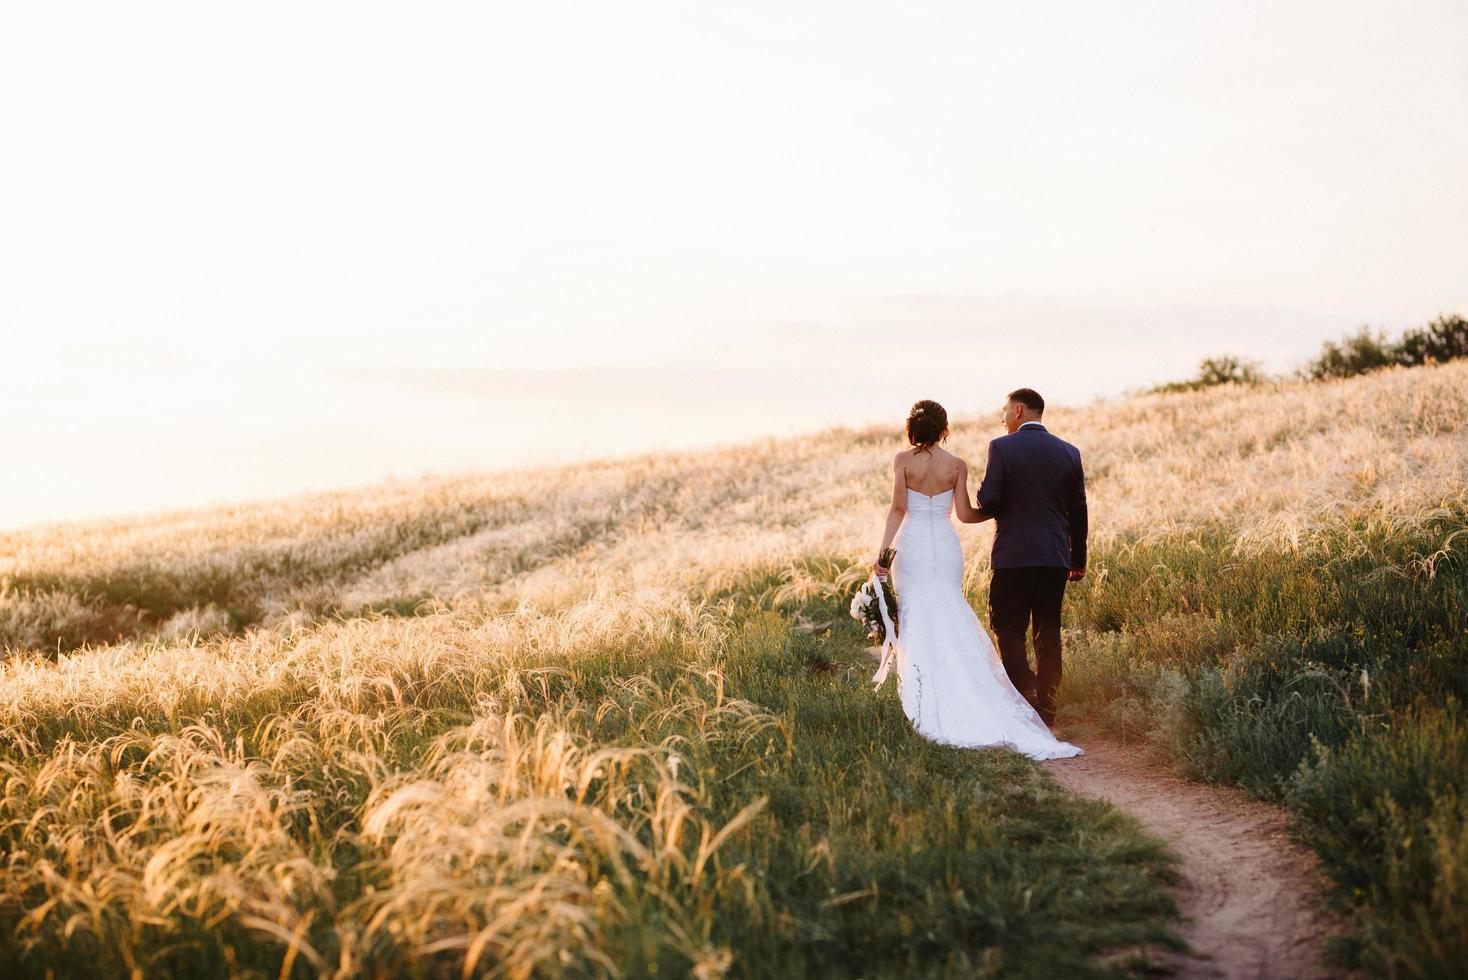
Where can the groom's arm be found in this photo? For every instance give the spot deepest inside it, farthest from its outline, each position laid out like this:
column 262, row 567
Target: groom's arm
column 1080, row 520
column 991, row 489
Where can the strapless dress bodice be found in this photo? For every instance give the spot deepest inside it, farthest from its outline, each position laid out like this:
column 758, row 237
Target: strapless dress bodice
column 920, row 504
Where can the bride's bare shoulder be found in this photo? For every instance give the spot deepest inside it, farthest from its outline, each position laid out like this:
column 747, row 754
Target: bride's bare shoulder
column 957, row 465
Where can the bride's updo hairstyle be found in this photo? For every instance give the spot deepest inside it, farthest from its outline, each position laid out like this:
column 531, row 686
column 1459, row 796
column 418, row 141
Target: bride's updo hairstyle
column 927, row 424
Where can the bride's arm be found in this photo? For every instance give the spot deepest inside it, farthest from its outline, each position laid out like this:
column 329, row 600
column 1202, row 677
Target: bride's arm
column 966, row 512
column 897, row 512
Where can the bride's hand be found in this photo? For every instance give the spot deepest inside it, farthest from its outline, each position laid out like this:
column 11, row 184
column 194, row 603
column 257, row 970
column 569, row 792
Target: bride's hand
column 881, row 571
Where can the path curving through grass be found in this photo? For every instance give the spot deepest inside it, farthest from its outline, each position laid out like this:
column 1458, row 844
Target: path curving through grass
column 1248, row 892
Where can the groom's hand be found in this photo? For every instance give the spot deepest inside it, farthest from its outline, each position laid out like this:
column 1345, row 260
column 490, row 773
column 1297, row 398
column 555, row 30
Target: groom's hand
column 1076, row 574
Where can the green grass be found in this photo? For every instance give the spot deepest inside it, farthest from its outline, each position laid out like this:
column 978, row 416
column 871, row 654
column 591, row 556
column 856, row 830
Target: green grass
column 1332, row 680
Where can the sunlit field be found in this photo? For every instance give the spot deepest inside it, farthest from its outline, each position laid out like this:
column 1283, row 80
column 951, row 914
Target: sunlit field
column 612, row 718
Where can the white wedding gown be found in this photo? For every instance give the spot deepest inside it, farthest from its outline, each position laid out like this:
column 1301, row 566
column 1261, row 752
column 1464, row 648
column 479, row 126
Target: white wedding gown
column 950, row 679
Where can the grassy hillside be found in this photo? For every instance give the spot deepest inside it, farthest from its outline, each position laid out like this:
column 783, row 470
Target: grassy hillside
column 553, row 722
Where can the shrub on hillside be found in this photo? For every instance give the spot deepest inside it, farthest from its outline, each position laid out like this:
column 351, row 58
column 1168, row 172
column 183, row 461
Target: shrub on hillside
column 1358, row 353
column 1444, row 339
column 1221, row 370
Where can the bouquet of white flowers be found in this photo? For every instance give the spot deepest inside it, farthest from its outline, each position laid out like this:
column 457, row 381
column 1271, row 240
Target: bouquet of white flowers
column 875, row 607
column 866, row 608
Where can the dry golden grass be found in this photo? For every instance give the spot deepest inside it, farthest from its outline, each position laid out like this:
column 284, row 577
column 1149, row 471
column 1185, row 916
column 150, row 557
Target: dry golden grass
column 1272, row 462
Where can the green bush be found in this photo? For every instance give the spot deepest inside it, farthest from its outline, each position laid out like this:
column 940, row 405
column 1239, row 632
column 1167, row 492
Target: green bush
column 1358, row 353
column 1443, row 339
column 1255, row 719
column 1221, row 370
column 1388, row 814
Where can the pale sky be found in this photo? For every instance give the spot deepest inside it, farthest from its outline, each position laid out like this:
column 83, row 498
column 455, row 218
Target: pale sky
column 251, row 250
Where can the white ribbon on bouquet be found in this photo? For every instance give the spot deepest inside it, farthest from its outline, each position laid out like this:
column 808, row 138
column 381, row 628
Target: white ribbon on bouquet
column 889, row 643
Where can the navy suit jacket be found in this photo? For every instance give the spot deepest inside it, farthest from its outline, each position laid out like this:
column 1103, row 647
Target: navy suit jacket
column 1035, row 490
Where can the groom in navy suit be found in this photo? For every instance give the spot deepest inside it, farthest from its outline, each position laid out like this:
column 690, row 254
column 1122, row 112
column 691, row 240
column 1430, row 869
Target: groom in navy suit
column 1035, row 489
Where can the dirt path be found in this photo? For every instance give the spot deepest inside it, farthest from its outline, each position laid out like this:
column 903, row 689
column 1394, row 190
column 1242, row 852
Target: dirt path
column 1246, row 889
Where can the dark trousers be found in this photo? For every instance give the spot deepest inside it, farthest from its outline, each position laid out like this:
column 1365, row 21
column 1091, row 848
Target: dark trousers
column 1019, row 597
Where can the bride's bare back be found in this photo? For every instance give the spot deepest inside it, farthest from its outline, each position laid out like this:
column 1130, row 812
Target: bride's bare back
column 932, row 470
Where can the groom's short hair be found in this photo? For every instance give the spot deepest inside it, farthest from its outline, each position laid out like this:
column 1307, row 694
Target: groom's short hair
column 1029, row 398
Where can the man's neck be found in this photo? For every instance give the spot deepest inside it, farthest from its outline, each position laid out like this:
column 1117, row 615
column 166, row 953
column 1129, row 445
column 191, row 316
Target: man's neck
column 1024, row 425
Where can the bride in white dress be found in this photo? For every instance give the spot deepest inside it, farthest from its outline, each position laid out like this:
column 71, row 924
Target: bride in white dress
column 951, row 681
